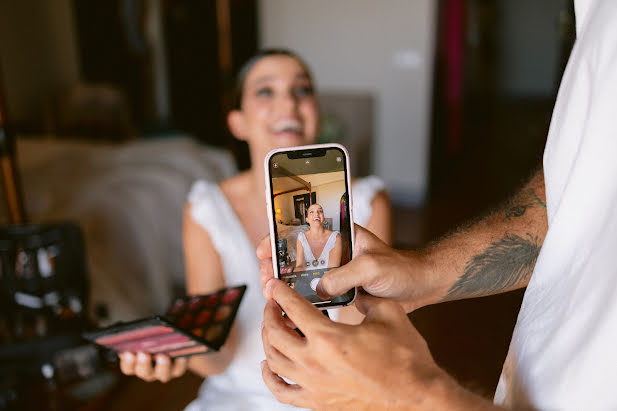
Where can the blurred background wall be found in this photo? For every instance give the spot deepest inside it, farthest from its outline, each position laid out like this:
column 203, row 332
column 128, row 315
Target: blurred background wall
column 420, row 65
column 38, row 54
column 385, row 50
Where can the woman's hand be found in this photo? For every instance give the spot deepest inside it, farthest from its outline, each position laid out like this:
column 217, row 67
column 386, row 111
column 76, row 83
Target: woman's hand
column 140, row 365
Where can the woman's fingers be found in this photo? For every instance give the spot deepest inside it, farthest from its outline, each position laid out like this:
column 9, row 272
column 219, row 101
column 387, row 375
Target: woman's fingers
column 162, row 368
column 127, row 363
column 143, row 367
column 179, row 366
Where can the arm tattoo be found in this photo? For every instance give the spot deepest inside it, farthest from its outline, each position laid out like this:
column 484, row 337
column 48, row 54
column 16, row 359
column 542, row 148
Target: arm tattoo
column 502, row 265
column 519, row 210
column 516, row 211
column 538, row 199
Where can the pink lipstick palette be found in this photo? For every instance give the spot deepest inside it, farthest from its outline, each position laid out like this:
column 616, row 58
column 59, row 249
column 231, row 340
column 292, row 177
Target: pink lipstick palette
column 193, row 325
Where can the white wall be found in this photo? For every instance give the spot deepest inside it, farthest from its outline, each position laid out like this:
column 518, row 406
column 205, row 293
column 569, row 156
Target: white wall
column 285, row 203
column 38, row 53
column 329, row 196
column 384, row 47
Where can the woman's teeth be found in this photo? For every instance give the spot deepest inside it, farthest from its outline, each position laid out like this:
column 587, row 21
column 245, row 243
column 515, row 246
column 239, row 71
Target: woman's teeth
column 287, row 126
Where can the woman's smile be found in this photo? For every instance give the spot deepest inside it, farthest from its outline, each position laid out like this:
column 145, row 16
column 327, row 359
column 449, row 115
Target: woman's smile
column 287, row 128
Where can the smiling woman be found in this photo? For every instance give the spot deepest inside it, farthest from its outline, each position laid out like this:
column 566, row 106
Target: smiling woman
column 318, row 247
column 275, row 107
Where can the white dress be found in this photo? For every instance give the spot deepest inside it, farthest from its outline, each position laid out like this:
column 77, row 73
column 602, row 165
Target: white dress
column 311, row 261
column 563, row 354
column 241, row 387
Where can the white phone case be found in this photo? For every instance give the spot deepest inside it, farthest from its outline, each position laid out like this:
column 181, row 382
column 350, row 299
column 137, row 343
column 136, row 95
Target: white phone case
column 269, row 204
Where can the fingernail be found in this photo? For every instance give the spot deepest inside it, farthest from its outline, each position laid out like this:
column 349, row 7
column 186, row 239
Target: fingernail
column 141, row 357
column 127, row 357
column 161, row 359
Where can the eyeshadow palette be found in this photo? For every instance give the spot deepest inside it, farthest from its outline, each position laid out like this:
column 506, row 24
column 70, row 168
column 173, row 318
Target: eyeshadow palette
column 193, row 325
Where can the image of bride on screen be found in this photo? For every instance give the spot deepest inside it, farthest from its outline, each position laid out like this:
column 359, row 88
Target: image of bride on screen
column 312, row 220
column 318, row 247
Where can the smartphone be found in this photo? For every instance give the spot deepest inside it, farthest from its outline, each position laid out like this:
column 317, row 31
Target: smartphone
column 308, row 194
column 193, row 325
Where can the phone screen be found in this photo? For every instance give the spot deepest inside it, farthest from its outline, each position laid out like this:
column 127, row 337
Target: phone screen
column 312, row 220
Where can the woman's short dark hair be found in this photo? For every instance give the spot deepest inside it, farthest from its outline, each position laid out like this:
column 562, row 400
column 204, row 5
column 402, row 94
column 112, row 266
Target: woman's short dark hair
column 250, row 63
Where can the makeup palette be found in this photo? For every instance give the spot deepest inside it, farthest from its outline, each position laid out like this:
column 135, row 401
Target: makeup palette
column 193, row 325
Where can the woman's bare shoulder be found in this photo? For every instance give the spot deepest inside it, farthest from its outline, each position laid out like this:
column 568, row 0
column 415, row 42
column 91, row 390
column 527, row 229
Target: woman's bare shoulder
column 236, row 183
column 236, row 188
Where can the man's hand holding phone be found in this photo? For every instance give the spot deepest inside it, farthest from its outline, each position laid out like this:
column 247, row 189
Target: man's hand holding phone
column 383, row 363
column 407, row 280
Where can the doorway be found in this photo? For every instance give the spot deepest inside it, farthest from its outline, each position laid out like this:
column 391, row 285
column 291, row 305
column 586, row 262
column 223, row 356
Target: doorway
column 301, row 203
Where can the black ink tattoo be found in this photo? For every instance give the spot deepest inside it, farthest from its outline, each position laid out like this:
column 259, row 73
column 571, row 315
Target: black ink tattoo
column 520, row 209
column 502, row 265
column 516, row 211
column 538, row 199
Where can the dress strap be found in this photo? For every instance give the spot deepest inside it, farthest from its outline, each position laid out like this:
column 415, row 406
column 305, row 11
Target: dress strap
column 329, row 245
column 306, row 246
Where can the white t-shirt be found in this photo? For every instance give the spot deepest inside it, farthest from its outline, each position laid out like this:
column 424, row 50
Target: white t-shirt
column 563, row 354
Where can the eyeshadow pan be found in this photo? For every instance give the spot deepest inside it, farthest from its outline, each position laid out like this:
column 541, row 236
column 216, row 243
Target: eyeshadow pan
column 230, row 295
column 222, row 313
column 172, row 346
column 185, row 321
column 141, row 332
column 195, row 303
column 203, row 317
column 188, row 351
column 144, row 344
column 214, row 332
column 212, row 300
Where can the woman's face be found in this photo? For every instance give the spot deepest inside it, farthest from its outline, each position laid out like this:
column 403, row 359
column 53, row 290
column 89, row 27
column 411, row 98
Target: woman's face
column 278, row 107
column 315, row 215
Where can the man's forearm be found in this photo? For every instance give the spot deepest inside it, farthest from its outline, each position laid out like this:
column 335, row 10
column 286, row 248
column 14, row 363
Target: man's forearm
column 495, row 254
column 447, row 394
